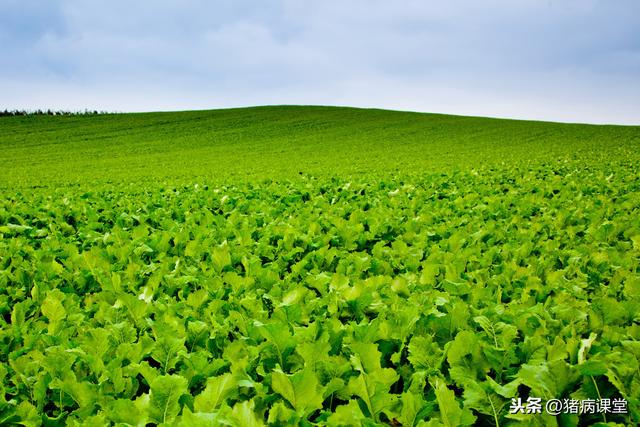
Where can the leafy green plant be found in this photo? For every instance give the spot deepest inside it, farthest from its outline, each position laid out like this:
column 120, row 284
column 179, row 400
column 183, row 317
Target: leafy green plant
column 421, row 283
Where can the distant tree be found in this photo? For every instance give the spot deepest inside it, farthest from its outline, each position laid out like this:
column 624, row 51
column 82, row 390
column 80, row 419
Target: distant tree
column 50, row 112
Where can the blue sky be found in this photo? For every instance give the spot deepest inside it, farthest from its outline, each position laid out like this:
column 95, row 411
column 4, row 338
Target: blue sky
column 571, row 60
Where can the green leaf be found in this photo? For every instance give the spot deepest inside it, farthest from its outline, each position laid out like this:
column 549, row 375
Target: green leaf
column 548, row 380
column 280, row 413
column 126, row 411
column 451, row 414
column 166, row 391
column 412, row 405
column 424, row 353
column 508, row 390
column 28, row 414
column 346, row 415
column 465, row 358
column 244, row 414
column 13, row 229
column 168, row 349
column 585, row 346
column 217, row 391
column 221, row 257
column 277, row 334
column 465, row 347
column 53, row 309
column 82, row 393
column 632, row 284
column 314, row 353
column 199, row 419
column 18, row 313
column 374, row 382
column 482, row 398
column 302, row 390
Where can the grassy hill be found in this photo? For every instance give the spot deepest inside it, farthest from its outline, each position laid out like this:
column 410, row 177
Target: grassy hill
column 316, row 266
column 277, row 142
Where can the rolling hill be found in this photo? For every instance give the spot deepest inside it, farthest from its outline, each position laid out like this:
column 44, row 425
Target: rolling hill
column 275, row 142
column 318, row 266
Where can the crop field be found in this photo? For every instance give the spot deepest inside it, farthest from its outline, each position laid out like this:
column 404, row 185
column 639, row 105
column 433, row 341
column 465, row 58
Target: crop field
column 317, row 266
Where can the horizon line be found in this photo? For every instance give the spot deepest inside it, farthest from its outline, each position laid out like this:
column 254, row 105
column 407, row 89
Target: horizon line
column 94, row 111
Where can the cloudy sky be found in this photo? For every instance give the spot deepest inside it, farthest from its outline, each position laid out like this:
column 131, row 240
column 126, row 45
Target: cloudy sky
column 569, row 60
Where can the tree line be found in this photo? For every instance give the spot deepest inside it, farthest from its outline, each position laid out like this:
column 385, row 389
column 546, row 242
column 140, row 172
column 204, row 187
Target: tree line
column 5, row 113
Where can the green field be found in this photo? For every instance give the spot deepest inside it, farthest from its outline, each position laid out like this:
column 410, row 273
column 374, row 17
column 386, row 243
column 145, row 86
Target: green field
column 316, row 266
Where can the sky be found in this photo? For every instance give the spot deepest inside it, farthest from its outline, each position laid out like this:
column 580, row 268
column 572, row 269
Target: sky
column 570, row 60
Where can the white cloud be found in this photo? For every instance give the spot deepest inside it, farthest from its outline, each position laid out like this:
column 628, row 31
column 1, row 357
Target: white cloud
column 571, row 60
